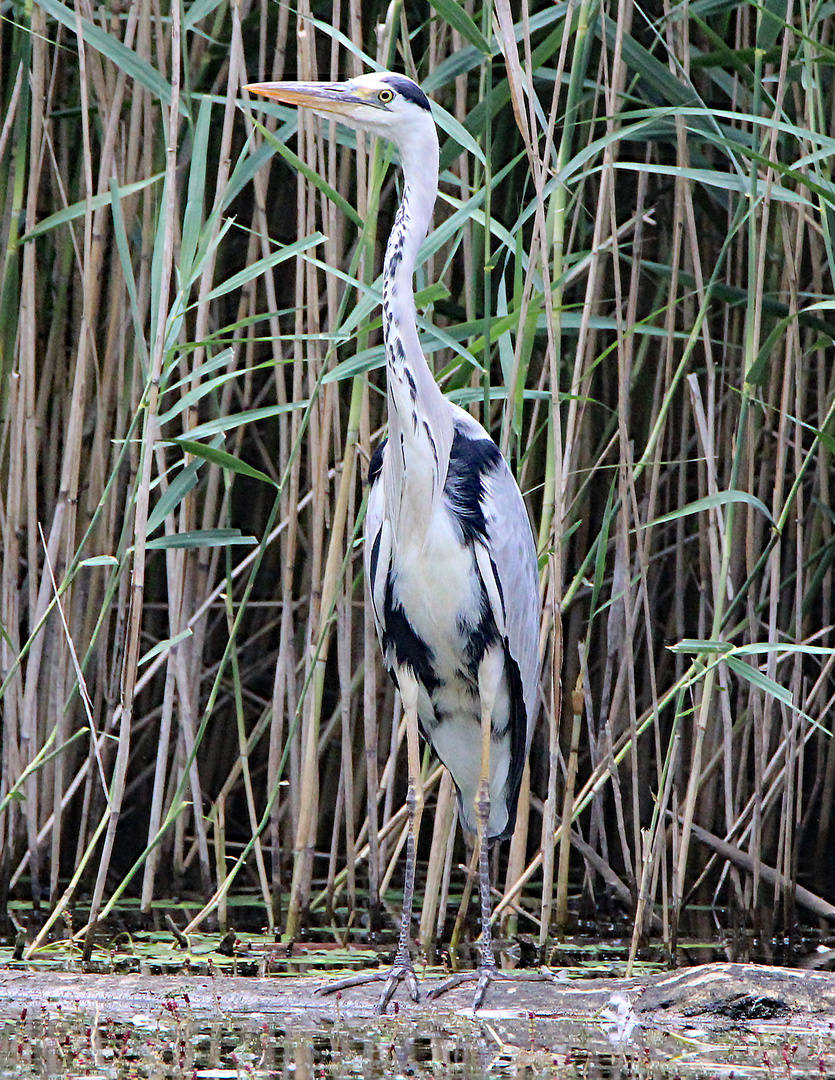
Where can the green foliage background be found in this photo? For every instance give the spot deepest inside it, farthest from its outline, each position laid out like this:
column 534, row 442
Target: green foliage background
column 630, row 283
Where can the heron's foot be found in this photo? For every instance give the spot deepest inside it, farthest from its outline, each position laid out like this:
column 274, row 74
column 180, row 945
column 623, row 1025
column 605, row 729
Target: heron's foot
column 487, row 973
column 401, row 970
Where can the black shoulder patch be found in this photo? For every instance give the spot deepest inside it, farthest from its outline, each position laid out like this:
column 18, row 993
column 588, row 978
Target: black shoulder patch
column 469, row 461
column 408, row 89
column 376, row 463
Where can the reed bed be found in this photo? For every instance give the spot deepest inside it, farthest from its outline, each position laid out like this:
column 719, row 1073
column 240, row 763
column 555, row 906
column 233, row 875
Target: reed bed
column 629, row 282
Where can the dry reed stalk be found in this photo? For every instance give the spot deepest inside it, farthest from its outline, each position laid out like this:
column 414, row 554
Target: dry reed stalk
column 29, row 736
column 142, row 501
column 577, row 700
column 443, row 823
column 521, row 89
column 394, row 823
column 306, row 285
column 243, row 758
column 219, row 837
column 519, row 844
column 285, row 665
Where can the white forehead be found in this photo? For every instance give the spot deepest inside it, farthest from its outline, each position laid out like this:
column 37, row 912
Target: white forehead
column 374, row 80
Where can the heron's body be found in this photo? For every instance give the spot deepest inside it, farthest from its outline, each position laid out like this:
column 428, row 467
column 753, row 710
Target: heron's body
column 449, row 554
column 445, row 641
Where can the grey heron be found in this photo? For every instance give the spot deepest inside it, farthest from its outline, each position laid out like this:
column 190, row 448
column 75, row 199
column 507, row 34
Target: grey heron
column 450, row 558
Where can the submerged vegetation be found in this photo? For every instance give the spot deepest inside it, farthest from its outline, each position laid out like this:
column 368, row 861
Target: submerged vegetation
column 630, row 283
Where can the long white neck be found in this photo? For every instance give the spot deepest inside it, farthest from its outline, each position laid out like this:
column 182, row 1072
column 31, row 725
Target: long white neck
column 420, row 418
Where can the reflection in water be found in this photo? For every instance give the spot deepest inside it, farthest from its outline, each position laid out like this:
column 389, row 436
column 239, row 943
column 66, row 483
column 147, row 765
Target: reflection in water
column 173, row 1044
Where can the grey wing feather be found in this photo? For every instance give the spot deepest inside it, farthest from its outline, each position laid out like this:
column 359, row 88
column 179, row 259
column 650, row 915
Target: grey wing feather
column 513, row 552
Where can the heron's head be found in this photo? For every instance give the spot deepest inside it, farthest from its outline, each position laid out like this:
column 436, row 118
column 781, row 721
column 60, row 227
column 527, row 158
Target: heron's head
column 382, row 103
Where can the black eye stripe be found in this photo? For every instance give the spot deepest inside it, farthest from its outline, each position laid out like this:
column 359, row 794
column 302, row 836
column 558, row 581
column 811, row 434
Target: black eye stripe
column 408, row 90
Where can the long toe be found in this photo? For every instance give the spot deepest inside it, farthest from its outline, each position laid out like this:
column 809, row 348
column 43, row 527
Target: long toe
column 451, row 983
column 350, row 980
column 484, row 976
column 398, row 972
column 487, row 973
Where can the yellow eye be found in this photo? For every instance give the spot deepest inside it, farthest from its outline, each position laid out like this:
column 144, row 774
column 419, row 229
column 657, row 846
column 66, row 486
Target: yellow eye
column 385, row 96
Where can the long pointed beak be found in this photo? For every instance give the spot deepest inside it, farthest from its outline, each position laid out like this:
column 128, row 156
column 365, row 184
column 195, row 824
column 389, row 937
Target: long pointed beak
column 324, row 97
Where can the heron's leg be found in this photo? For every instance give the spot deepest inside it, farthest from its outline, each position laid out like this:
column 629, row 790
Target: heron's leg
column 490, row 673
column 489, row 676
column 402, row 967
